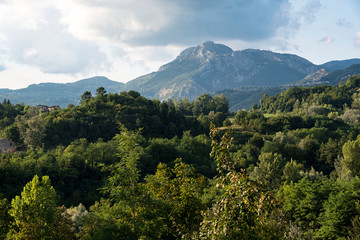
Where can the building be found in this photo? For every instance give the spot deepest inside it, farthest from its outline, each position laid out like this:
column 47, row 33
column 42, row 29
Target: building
column 45, row 108
column 7, row 146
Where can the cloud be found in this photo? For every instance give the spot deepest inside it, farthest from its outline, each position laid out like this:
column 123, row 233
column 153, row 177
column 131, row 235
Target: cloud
column 159, row 22
column 79, row 37
column 357, row 40
column 300, row 15
column 308, row 12
column 38, row 38
column 327, row 40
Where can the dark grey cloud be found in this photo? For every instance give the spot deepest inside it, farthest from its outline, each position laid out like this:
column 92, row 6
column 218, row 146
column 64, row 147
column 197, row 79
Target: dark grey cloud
column 158, row 22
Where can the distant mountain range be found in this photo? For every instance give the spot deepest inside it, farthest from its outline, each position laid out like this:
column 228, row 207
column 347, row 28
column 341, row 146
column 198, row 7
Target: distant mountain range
column 206, row 68
column 61, row 94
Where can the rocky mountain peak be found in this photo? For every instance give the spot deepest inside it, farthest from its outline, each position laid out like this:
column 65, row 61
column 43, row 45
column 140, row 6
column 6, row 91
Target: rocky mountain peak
column 205, row 51
column 194, row 56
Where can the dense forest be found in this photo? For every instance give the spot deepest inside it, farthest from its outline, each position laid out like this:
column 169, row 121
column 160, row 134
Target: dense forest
column 120, row 166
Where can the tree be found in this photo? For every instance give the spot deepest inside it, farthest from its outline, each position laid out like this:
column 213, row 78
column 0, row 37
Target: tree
column 221, row 104
column 303, row 201
column 86, row 96
column 339, row 210
column 178, row 190
column 219, row 118
column 123, row 213
column 240, row 117
column 244, row 209
column 5, row 219
column 351, row 160
column 36, row 215
column 292, row 171
column 269, row 169
column 203, row 104
column 100, row 92
column 33, row 131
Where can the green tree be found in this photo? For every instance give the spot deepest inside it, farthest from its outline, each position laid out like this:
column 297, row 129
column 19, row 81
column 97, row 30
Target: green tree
column 244, row 210
column 123, row 213
column 292, row 172
column 203, row 104
column 178, row 190
column 221, row 104
column 86, row 96
column 36, row 215
column 5, row 219
column 33, row 132
column 219, row 118
column 339, row 210
column 100, row 92
column 351, row 160
column 269, row 169
column 303, row 202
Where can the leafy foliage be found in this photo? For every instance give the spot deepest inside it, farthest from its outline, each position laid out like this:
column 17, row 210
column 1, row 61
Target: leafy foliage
column 36, row 215
column 244, row 209
column 140, row 169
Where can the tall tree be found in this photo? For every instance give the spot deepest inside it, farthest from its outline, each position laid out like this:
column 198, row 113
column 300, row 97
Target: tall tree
column 36, row 215
column 178, row 190
column 244, row 209
column 5, row 219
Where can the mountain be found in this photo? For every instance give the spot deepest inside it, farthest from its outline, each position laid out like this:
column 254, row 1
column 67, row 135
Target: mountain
column 242, row 76
column 245, row 97
column 211, row 67
column 339, row 65
column 323, row 76
column 337, row 76
column 59, row 93
column 313, row 79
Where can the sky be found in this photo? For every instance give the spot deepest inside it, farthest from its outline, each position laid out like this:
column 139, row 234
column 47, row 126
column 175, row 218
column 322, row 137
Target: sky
column 69, row 40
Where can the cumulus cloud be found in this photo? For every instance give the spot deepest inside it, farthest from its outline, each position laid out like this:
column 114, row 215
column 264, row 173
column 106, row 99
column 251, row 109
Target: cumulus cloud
column 125, row 36
column 327, row 40
column 39, row 39
column 157, row 22
column 357, row 39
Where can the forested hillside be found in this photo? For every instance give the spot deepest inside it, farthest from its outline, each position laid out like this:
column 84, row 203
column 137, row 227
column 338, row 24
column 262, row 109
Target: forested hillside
column 120, row 166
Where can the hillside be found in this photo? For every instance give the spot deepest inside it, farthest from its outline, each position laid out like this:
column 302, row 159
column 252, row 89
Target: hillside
column 246, row 97
column 313, row 79
column 287, row 168
column 337, row 76
column 339, row 64
column 58, row 93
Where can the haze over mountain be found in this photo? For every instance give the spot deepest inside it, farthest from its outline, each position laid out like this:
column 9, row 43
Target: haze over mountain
column 206, row 68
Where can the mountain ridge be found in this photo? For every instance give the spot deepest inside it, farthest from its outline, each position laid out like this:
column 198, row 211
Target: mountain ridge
column 206, row 68
column 61, row 94
column 211, row 67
